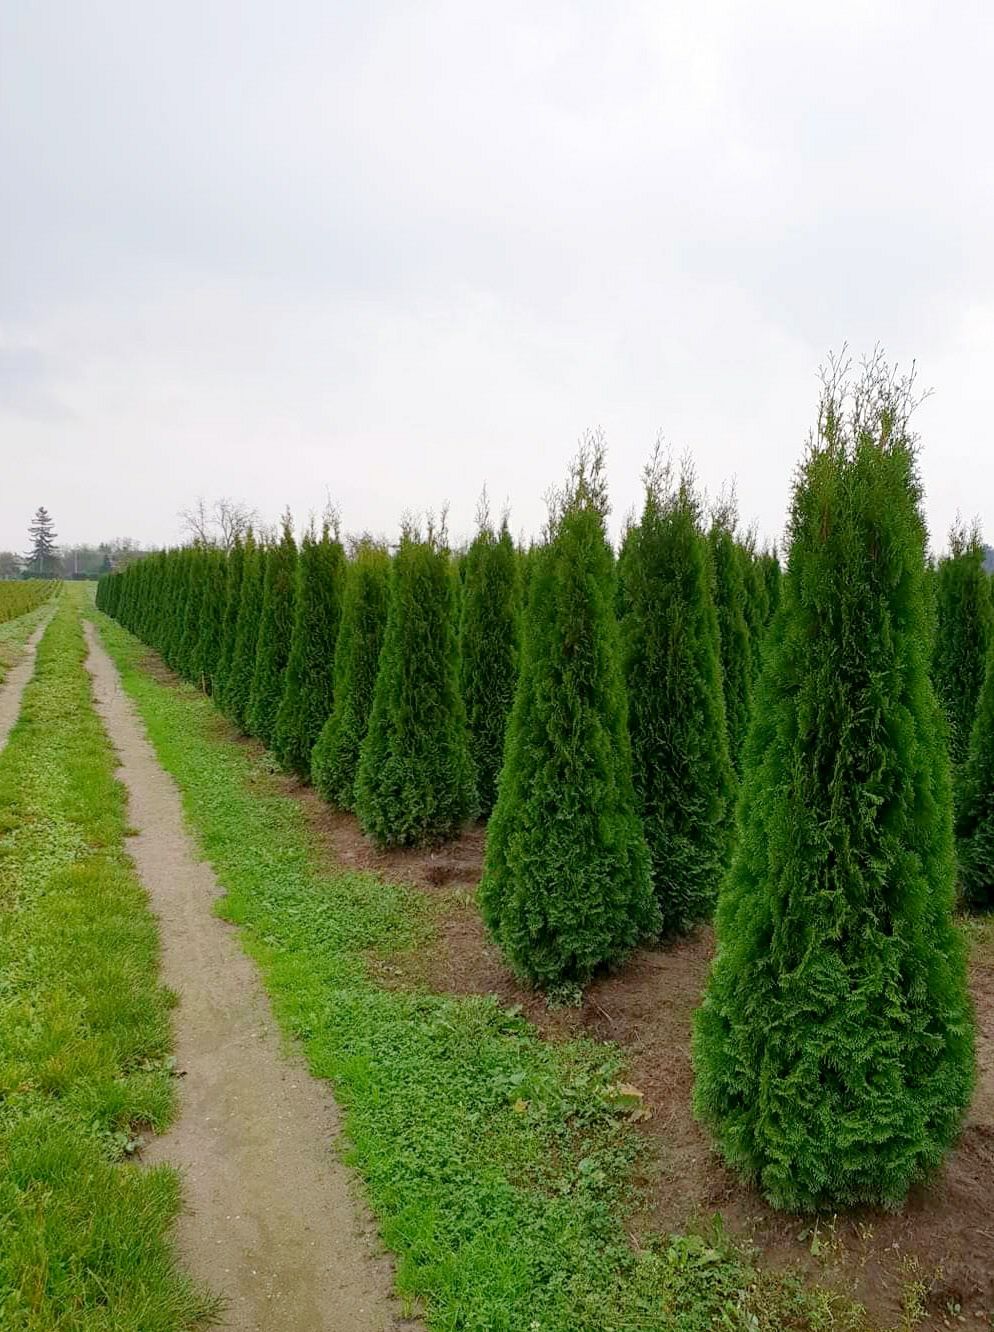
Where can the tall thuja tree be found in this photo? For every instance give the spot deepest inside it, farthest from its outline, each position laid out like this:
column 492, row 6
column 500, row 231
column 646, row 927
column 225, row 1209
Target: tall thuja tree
column 834, row 1047
column 414, row 785
column 335, row 758
column 186, row 651
column 566, row 887
column 975, row 820
column 770, row 564
column 308, row 691
column 755, row 605
column 237, row 691
column 491, row 608
column 208, row 648
column 964, row 618
column 179, row 598
column 275, row 631
column 229, row 626
column 676, row 711
column 735, row 646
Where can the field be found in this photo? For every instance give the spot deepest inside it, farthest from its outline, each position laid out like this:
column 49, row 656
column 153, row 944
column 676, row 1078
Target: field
column 640, row 980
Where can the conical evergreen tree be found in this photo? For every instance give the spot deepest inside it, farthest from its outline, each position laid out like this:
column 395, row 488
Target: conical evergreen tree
column 566, row 887
column 770, row 562
column 238, row 687
column 755, row 606
column 736, row 649
column 214, row 573
column 186, row 652
column 414, row 785
column 676, row 711
column 179, row 599
column 275, row 631
column 975, row 823
column 964, row 622
column 229, row 627
column 491, row 608
column 308, row 689
column 335, row 757
column 834, row 1047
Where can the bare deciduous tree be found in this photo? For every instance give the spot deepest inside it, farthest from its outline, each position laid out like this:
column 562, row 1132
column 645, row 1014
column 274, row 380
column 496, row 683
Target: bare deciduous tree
column 220, row 523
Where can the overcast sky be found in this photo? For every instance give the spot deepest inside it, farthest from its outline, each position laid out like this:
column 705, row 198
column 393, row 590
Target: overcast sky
column 396, row 251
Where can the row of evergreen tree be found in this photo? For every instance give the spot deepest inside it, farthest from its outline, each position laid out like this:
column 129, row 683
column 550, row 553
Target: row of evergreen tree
column 389, row 680
column 610, row 712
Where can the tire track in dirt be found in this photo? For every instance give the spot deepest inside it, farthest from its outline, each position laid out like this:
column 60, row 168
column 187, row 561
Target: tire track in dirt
column 271, row 1220
column 13, row 687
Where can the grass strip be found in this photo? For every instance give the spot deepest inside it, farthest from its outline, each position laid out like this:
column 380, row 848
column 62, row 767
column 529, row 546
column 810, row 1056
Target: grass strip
column 500, row 1166
column 84, row 1030
column 15, row 633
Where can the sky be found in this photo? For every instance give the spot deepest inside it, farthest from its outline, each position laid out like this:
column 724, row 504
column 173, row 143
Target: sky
column 392, row 252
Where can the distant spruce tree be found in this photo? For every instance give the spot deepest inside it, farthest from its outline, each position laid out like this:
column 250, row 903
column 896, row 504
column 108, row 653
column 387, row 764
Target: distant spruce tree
column 237, row 690
column 964, row 622
column 308, row 691
column 975, row 819
column 208, row 647
column 736, row 648
column 275, row 631
column 489, row 644
column 834, row 1046
column 414, row 784
column 335, row 757
column 566, row 887
column 43, row 558
column 232, row 601
column 676, row 712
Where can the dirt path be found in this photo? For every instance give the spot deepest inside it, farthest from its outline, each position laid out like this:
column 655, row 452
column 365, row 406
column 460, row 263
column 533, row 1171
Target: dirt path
column 271, row 1221
column 13, row 687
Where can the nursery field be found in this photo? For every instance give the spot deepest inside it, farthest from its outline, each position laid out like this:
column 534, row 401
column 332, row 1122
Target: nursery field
column 571, row 938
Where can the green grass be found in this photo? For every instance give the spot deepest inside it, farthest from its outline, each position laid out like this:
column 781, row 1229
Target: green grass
column 500, row 1167
column 84, row 1030
column 15, row 633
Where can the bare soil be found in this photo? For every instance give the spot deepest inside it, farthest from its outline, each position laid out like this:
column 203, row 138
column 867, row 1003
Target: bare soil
column 16, row 681
column 943, row 1236
column 271, row 1218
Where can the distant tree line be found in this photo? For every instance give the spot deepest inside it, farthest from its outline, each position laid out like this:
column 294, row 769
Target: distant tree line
column 45, row 559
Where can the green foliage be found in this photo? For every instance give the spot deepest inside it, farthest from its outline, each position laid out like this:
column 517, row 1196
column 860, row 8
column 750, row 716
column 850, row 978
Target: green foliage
column 335, row 757
column 192, row 615
column 735, row 645
column 770, row 564
column 214, row 575
column 975, row 821
column 498, row 1165
column 755, row 606
column 308, row 689
column 491, row 608
column 237, row 691
column 179, row 600
column 676, row 711
column 414, row 784
column 229, row 628
column 834, row 1047
column 275, row 632
column 20, row 598
column 964, row 623
column 85, row 1041
column 566, row 887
